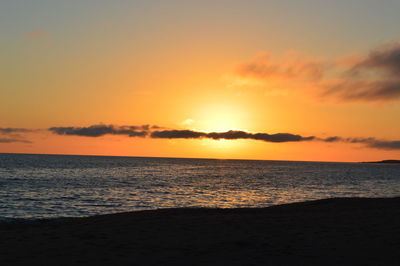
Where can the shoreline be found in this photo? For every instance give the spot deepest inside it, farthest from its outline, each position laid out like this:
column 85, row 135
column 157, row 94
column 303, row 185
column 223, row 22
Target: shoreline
column 301, row 204
column 338, row 231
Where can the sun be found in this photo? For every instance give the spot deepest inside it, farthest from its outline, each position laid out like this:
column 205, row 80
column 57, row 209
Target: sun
column 220, row 118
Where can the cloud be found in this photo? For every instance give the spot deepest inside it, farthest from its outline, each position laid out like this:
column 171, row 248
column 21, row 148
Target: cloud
column 178, row 134
column 291, row 66
column 279, row 137
column 10, row 130
column 332, row 139
column 385, row 58
column 101, row 130
column 356, row 90
column 369, row 142
column 153, row 131
column 13, row 135
column 13, row 140
column 375, row 77
column 231, row 135
column 386, row 145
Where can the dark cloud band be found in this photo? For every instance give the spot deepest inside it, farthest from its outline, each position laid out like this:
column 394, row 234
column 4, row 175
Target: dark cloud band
column 178, row 134
column 232, row 134
column 155, row 132
column 101, row 130
column 146, row 130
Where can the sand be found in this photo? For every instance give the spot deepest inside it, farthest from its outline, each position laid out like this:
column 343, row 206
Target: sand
column 352, row 231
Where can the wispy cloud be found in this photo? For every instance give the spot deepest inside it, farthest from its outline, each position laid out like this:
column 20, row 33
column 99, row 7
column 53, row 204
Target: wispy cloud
column 369, row 142
column 385, row 58
column 14, row 135
column 10, row 130
column 290, row 66
column 385, row 144
column 375, row 77
column 13, row 140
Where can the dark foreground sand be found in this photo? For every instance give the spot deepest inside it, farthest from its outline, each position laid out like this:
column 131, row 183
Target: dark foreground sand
column 326, row 232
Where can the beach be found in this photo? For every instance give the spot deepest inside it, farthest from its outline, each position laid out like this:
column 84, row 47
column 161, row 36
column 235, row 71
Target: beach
column 342, row 231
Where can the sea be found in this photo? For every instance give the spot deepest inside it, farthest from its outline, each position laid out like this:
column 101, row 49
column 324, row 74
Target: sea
column 61, row 186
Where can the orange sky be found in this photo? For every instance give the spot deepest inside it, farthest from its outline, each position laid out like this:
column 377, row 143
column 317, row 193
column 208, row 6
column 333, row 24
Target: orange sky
column 257, row 67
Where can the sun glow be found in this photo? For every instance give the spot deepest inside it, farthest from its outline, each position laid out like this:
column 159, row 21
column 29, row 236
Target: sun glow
column 220, row 118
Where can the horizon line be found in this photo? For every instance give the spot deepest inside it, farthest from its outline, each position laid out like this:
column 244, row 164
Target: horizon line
column 164, row 157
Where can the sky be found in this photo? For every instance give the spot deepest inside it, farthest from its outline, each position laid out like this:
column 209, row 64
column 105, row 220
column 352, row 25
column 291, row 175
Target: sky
column 308, row 80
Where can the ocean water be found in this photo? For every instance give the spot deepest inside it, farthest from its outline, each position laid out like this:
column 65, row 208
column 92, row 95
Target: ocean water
column 54, row 186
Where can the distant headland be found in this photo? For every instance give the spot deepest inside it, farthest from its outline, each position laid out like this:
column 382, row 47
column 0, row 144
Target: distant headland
column 385, row 161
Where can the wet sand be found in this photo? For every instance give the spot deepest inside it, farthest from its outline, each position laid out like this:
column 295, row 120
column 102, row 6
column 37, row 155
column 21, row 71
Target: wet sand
column 354, row 231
